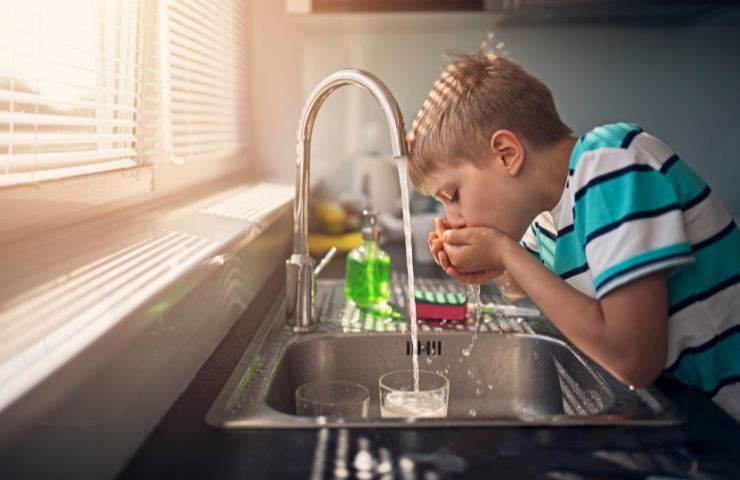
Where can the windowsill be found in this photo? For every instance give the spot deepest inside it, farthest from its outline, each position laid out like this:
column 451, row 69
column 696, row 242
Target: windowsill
column 67, row 288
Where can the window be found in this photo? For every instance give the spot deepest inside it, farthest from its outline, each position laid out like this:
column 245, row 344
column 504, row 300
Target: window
column 69, row 87
column 204, row 55
column 94, row 86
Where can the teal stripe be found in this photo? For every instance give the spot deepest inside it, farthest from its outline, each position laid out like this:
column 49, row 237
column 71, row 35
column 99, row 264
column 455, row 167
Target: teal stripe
column 715, row 263
column 614, row 199
column 687, row 183
column 570, row 253
column 637, row 261
column 605, row 136
column 547, row 249
column 706, row 369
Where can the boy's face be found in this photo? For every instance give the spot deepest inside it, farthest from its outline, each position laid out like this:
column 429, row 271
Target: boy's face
column 482, row 197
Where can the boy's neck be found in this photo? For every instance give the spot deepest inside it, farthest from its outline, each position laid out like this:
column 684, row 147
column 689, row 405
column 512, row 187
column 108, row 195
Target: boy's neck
column 556, row 162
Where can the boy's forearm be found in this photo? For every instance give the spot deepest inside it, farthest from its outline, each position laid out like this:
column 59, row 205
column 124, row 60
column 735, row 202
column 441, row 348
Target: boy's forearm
column 558, row 301
column 578, row 316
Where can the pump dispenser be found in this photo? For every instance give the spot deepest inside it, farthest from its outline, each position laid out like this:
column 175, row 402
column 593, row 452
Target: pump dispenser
column 368, row 267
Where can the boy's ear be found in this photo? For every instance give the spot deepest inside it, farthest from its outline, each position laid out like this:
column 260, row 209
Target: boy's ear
column 507, row 151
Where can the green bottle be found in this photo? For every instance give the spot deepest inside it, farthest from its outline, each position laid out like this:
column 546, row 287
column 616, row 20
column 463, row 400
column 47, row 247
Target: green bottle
column 368, row 267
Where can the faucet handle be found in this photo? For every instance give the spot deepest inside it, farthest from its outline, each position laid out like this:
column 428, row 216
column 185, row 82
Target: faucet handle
column 325, row 261
column 301, row 274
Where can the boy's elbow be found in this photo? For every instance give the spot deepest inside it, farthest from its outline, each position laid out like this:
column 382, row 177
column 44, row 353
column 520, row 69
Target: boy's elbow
column 639, row 371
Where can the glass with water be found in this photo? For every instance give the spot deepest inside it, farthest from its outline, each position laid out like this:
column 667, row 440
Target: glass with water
column 400, row 398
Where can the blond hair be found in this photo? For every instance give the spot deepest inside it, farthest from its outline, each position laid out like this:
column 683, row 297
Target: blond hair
column 476, row 95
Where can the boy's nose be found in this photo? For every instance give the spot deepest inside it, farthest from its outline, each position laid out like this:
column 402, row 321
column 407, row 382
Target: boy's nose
column 454, row 220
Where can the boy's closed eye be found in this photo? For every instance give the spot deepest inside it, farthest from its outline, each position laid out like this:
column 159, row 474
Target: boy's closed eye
column 452, row 197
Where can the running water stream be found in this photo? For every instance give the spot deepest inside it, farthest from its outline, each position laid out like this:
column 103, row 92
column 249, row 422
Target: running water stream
column 403, row 178
column 475, row 306
column 473, row 291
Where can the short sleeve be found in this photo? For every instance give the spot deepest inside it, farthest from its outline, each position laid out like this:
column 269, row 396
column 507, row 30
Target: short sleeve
column 628, row 219
column 530, row 243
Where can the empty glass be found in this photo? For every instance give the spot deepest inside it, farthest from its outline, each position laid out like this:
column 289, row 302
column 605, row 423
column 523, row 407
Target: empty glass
column 398, row 398
column 333, row 398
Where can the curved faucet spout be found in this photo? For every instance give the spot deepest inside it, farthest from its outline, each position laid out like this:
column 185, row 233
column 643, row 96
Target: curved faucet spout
column 299, row 293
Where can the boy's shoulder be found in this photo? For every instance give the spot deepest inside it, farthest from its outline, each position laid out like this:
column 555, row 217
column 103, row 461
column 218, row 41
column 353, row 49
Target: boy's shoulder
column 608, row 136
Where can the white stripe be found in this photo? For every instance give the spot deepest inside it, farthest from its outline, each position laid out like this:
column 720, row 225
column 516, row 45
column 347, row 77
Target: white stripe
column 705, row 219
column 595, row 163
column 566, row 213
column 671, row 264
column 650, row 151
column 584, row 283
column 530, row 239
column 546, row 222
column 701, row 321
column 633, row 238
column 729, row 399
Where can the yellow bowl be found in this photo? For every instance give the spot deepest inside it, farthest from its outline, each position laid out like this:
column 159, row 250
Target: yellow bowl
column 319, row 243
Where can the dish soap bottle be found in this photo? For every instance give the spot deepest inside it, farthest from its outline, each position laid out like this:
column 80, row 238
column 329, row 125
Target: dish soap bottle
column 367, row 281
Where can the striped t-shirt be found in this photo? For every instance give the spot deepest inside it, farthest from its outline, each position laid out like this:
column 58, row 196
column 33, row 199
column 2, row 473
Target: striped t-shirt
column 632, row 207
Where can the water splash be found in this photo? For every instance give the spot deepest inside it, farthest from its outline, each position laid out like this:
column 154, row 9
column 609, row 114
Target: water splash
column 413, row 327
column 473, row 293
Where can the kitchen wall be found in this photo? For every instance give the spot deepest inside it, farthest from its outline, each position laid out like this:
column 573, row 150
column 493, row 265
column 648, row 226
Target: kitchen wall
column 680, row 83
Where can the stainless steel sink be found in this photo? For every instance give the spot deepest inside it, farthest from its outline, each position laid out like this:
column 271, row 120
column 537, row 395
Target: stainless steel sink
column 505, row 376
column 520, row 371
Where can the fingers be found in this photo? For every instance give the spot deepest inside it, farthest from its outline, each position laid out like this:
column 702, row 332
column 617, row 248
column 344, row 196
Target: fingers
column 444, row 260
column 474, row 278
column 467, row 278
column 435, row 245
column 439, row 226
column 455, row 236
column 452, row 253
column 430, row 241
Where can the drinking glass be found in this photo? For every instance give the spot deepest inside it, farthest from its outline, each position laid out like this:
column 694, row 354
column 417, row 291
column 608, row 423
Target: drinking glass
column 399, row 397
column 332, row 398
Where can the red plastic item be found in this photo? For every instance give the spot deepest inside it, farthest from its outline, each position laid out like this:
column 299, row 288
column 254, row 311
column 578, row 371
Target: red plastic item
column 434, row 311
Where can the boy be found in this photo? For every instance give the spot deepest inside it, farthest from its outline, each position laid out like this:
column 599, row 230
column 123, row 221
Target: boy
column 634, row 259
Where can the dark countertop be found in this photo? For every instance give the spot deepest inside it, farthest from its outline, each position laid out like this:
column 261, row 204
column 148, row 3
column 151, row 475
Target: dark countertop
column 183, row 446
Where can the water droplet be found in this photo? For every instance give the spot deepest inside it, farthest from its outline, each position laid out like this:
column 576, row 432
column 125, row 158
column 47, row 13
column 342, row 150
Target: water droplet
column 472, row 412
column 429, row 360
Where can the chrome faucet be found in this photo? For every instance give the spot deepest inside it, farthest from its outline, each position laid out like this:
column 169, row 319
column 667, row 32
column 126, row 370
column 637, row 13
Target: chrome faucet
column 300, row 277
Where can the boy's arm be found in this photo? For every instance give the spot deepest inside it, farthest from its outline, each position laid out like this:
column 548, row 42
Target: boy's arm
column 625, row 331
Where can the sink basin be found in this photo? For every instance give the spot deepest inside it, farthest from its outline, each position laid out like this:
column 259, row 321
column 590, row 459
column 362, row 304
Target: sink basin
column 519, row 372
column 505, row 376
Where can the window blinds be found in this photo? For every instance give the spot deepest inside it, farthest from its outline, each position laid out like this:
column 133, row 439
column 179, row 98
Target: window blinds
column 69, row 88
column 204, row 69
column 94, row 85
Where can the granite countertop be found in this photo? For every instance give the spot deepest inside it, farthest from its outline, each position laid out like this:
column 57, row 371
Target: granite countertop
column 183, row 446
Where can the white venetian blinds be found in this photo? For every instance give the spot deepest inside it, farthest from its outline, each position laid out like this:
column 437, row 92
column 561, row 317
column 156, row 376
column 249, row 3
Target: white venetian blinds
column 69, row 86
column 94, row 85
column 204, row 49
